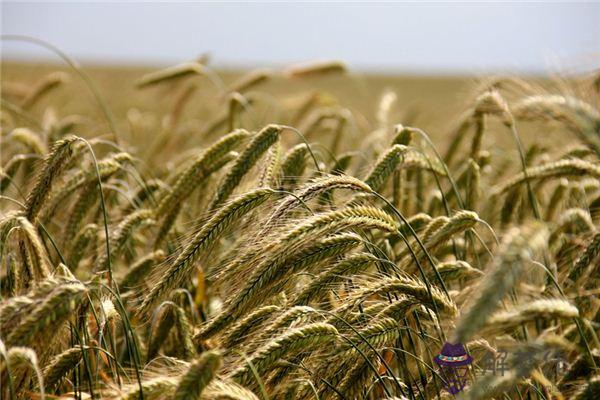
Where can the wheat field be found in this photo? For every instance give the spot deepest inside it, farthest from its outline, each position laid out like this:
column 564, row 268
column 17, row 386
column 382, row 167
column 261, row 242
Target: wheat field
column 296, row 233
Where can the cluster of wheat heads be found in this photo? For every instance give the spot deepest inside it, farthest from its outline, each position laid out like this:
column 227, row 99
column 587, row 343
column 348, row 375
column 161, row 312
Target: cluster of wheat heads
column 331, row 259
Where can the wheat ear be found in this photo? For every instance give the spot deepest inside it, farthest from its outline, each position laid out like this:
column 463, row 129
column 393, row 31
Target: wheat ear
column 386, row 164
column 53, row 166
column 316, row 69
column 198, row 376
column 50, row 82
column 246, row 326
column 199, row 169
column 327, row 279
column 227, row 390
column 84, row 238
column 517, row 248
column 123, row 231
column 269, row 270
column 294, row 164
column 269, row 274
column 291, row 342
column 315, row 188
column 251, row 80
column 537, row 309
column 255, row 149
column 140, row 269
column 170, row 73
column 560, row 169
column 32, row 141
column 589, row 255
column 57, row 307
column 60, row 365
column 211, row 231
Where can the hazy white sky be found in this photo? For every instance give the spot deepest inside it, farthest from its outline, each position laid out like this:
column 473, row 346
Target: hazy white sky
column 413, row 37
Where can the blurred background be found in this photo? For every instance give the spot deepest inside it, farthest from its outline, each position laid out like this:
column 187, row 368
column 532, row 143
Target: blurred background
column 431, row 58
column 420, row 37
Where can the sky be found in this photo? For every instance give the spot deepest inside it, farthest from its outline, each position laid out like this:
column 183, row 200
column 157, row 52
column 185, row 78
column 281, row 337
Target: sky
column 419, row 37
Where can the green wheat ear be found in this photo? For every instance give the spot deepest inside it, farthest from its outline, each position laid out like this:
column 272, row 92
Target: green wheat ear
column 60, row 365
column 292, row 341
column 385, row 166
column 517, row 247
column 201, row 167
column 255, row 149
column 54, row 163
column 54, row 310
column 293, row 165
column 183, row 265
column 198, row 376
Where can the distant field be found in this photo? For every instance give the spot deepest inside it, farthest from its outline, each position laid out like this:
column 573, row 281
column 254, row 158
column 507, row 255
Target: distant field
column 425, row 100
